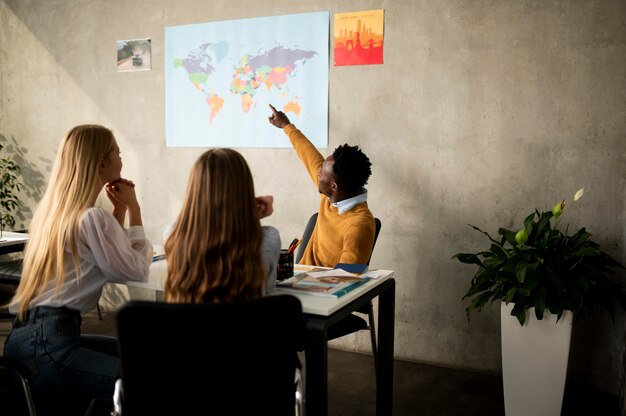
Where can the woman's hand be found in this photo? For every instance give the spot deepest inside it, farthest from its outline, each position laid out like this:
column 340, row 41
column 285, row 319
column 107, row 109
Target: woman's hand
column 265, row 205
column 121, row 193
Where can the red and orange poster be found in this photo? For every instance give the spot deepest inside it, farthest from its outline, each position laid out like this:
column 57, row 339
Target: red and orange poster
column 358, row 38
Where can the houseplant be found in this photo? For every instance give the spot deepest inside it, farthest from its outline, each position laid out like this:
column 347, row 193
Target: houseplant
column 9, row 185
column 544, row 278
column 544, row 267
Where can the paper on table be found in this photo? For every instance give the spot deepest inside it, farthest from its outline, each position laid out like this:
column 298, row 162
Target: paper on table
column 327, row 273
column 374, row 274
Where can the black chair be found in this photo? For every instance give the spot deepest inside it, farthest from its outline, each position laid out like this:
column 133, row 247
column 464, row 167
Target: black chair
column 10, row 275
column 351, row 323
column 14, row 388
column 229, row 358
column 306, row 236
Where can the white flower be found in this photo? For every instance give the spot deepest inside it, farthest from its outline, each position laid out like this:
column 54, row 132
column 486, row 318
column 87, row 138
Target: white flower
column 579, row 194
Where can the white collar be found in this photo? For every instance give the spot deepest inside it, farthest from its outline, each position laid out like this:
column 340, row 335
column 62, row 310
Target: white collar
column 348, row 204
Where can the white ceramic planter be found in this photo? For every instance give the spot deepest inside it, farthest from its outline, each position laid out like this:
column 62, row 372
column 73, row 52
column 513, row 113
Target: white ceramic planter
column 534, row 362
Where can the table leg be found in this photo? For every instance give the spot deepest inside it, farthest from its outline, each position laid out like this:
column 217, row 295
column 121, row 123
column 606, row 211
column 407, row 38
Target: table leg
column 316, row 368
column 384, row 375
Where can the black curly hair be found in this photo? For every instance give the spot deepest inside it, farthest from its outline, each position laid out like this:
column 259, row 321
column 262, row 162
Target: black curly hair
column 352, row 168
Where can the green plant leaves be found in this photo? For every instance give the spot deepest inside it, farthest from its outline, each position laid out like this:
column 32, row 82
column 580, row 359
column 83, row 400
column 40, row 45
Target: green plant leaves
column 9, row 185
column 544, row 268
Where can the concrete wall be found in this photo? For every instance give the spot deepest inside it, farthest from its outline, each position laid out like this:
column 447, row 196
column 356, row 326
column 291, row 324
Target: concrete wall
column 482, row 111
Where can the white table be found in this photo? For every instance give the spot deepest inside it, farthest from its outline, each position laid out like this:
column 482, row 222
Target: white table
column 321, row 313
column 10, row 242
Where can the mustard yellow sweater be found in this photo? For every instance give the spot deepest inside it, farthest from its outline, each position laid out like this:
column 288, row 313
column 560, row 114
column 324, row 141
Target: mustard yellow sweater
column 345, row 238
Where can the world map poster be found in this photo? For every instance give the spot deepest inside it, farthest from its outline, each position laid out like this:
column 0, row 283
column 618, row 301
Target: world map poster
column 220, row 78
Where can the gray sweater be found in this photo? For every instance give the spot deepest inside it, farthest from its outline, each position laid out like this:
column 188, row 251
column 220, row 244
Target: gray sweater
column 270, row 250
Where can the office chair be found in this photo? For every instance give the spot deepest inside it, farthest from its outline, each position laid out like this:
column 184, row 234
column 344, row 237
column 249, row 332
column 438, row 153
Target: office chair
column 351, row 323
column 227, row 358
column 10, row 275
column 15, row 391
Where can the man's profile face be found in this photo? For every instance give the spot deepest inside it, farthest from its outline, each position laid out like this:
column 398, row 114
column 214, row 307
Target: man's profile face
column 325, row 177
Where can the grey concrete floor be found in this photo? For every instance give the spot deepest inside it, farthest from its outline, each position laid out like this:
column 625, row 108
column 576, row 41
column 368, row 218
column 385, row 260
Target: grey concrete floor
column 418, row 389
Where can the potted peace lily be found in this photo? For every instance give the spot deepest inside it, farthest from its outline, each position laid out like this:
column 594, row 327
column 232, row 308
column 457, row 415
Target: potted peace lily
column 542, row 267
column 545, row 278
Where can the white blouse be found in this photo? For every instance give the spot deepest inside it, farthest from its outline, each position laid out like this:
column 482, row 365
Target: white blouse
column 106, row 253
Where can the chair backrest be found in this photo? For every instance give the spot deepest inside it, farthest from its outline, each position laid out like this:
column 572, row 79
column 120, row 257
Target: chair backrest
column 228, row 358
column 306, row 236
column 378, row 225
column 10, row 275
column 17, row 399
column 308, row 230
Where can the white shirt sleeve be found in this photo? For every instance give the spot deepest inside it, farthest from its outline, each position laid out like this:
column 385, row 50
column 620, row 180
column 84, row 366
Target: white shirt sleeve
column 120, row 254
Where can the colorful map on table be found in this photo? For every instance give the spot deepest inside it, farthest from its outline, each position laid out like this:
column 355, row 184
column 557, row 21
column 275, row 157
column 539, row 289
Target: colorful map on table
column 221, row 76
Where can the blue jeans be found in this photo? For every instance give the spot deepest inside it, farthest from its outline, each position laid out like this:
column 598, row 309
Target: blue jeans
column 68, row 370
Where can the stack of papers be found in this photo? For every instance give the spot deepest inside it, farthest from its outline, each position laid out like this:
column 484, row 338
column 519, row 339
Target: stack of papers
column 327, row 283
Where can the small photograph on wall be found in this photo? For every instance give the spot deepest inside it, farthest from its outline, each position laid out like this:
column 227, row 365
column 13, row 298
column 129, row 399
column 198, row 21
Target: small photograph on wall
column 134, row 55
column 358, row 38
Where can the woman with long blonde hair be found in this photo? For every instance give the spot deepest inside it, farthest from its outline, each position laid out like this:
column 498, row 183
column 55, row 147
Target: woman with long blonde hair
column 73, row 250
column 217, row 249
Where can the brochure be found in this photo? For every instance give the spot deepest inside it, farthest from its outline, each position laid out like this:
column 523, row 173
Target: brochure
column 327, row 283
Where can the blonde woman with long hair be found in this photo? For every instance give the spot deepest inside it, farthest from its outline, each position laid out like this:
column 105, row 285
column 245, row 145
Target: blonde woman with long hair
column 73, row 250
column 217, row 249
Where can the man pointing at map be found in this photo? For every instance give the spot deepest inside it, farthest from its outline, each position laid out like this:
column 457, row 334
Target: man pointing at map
column 344, row 232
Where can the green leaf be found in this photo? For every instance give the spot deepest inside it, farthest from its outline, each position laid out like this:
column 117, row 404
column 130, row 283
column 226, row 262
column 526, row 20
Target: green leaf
column 492, row 263
column 478, row 286
column 519, row 311
column 529, row 222
column 510, row 294
column 587, row 251
column 499, row 251
column 543, row 221
column 540, row 303
column 520, row 271
column 478, row 302
column 467, row 258
column 508, row 235
column 487, row 234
